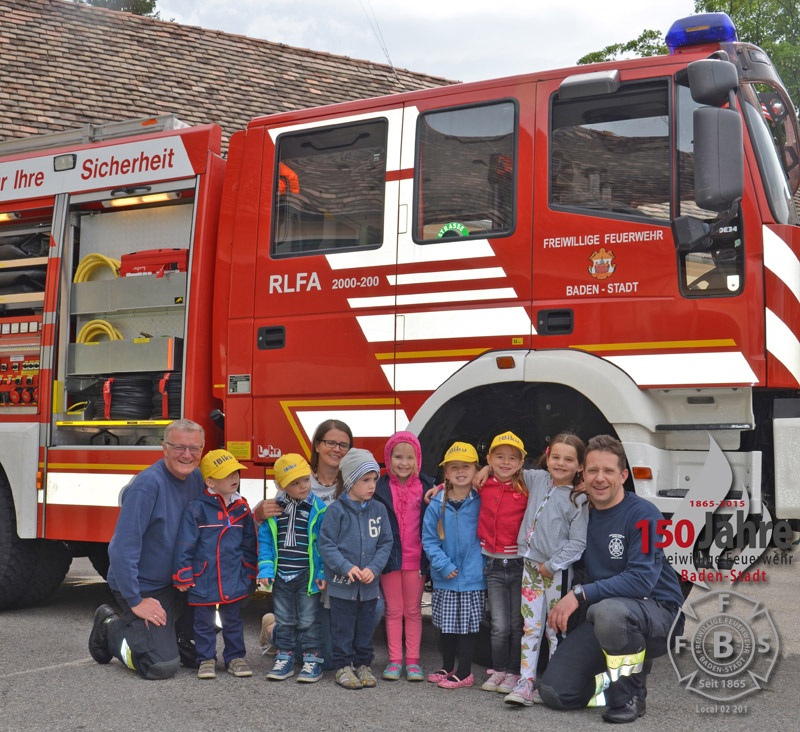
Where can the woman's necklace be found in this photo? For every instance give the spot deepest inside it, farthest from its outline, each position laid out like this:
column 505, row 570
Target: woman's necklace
column 322, row 483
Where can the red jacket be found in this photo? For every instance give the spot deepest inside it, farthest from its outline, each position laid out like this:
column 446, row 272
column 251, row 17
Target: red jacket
column 502, row 508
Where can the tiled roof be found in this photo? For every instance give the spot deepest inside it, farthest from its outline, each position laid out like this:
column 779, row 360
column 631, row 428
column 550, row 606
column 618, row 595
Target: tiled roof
column 64, row 65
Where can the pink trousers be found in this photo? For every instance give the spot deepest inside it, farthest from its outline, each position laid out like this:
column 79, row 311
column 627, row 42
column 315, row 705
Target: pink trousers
column 402, row 593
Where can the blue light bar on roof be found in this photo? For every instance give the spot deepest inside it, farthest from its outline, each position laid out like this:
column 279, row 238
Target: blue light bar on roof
column 699, row 29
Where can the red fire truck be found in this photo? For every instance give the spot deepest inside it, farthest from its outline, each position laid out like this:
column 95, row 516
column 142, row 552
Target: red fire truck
column 609, row 249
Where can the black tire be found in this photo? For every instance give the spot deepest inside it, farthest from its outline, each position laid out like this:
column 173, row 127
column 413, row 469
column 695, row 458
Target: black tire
column 30, row 569
column 99, row 559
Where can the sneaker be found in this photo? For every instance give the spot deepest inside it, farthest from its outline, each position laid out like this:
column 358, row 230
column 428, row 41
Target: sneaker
column 239, row 668
column 265, row 636
column 508, row 684
column 537, row 697
column 414, row 672
column 494, row 680
column 453, row 682
column 98, row 638
column 438, row 676
column 311, row 670
column 346, row 677
column 392, row 671
column 368, row 680
column 207, row 669
column 522, row 694
column 283, row 667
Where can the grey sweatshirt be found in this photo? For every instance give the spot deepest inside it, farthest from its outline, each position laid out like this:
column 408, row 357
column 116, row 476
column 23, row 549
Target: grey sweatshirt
column 560, row 534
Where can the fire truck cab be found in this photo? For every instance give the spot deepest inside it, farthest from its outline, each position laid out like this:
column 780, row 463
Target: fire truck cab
column 606, row 249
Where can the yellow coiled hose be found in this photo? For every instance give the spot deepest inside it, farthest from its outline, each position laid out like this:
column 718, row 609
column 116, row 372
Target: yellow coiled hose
column 91, row 262
column 90, row 332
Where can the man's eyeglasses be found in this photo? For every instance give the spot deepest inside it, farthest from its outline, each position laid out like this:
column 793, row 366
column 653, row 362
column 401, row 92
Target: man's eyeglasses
column 193, row 449
column 332, row 443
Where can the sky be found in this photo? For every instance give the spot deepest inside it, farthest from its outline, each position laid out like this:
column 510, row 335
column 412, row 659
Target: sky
column 465, row 40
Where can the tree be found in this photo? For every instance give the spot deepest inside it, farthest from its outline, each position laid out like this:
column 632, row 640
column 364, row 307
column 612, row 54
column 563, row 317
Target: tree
column 649, row 43
column 146, row 8
column 774, row 25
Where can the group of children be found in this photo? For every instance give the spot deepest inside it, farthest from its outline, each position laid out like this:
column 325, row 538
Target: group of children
column 501, row 534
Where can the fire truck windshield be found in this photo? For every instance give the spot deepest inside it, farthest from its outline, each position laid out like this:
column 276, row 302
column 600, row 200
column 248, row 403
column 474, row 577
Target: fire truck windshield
column 773, row 132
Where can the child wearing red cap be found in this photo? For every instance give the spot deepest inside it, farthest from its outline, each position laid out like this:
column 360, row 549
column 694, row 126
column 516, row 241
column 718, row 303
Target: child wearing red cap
column 215, row 563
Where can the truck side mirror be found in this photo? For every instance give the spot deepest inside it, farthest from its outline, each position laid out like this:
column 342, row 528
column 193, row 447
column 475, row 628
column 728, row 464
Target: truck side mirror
column 718, row 158
column 712, row 80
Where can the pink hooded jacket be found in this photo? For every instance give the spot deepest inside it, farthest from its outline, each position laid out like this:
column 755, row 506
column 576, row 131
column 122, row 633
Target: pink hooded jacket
column 405, row 505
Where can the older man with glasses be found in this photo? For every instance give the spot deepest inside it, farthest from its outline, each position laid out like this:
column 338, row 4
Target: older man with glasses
column 143, row 635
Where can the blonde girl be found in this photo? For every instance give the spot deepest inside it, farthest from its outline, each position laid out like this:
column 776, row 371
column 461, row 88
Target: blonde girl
column 551, row 539
column 401, row 490
column 504, row 498
column 449, row 538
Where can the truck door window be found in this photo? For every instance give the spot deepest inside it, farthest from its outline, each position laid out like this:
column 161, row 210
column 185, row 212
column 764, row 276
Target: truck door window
column 611, row 152
column 464, row 177
column 330, row 189
column 718, row 270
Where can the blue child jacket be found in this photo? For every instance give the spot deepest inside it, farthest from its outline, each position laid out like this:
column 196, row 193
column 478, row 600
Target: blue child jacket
column 215, row 554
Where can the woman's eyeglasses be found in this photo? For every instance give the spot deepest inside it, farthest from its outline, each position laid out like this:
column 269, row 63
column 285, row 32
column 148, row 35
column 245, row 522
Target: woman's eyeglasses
column 333, row 444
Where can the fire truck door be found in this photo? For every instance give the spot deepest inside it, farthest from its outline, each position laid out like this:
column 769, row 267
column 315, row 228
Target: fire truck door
column 325, row 303
column 464, row 256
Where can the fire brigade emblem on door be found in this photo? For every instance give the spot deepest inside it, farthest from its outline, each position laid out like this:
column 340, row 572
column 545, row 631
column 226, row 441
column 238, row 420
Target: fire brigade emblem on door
column 602, row 264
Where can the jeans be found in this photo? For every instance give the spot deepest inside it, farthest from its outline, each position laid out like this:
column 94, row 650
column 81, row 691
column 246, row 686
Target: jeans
column 504, row 595
column 296, row 616
column 618, row 626
column 205, row 631
column 352, row 624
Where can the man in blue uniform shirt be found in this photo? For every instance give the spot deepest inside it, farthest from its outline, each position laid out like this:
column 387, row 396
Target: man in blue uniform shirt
column 143, row 634
column 631, row 599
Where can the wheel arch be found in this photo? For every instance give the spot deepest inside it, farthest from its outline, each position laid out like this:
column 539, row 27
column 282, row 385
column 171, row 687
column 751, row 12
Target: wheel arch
column 19, row 461
column 537, row 395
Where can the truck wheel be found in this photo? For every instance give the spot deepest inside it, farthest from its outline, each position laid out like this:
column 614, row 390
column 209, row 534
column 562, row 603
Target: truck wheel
column 30, row 569
column 99, row 560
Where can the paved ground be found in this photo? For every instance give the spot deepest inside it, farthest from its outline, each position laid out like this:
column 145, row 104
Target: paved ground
column 48, row 682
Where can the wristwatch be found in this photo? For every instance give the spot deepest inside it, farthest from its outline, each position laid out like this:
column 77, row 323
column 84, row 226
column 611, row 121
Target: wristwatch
column 580, row 596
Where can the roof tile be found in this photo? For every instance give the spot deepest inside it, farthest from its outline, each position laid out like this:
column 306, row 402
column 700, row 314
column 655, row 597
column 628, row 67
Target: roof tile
column 68, row 64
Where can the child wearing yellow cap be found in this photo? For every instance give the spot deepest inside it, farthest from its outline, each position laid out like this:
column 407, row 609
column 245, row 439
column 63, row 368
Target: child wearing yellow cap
column 449, row 538
column 504, row 498
column 215, row 563
column 289, row 564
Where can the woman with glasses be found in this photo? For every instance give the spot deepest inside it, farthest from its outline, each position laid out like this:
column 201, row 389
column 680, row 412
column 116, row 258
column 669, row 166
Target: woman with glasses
column 329, row 444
